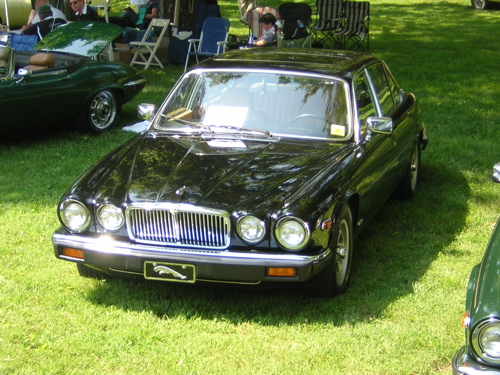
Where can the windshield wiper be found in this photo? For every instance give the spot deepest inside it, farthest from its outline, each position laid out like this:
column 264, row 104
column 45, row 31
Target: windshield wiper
column 193, row 125
column 241, row 128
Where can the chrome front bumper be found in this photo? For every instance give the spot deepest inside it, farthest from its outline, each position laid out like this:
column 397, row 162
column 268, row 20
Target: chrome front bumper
column 115, row 257
column 462, row 364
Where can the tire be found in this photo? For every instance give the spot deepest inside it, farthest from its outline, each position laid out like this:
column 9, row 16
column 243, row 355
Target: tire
column 333, row 280
column 479, row 4
column 101, row 112
column 409, row 185
column 91, row 273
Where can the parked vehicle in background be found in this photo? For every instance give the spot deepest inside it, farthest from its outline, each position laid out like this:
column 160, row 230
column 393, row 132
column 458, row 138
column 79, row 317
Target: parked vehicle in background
column 482, row 4
column 63, row 83
column 260, row 167
column 481, row 320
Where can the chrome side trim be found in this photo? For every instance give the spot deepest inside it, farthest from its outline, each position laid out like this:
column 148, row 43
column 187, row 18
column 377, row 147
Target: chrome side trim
column 136, row 82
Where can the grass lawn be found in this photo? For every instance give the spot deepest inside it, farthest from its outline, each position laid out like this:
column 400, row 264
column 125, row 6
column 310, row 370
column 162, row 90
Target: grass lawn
column 401, row 314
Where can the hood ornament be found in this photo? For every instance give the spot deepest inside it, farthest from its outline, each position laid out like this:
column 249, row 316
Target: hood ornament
column 180, row 192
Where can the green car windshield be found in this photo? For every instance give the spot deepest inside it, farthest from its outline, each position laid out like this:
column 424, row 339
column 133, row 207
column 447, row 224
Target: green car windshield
column 286, row 105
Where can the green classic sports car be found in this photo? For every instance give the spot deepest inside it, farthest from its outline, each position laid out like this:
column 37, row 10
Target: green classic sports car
column 481, row 320
column 260, row 167
column 62, row 83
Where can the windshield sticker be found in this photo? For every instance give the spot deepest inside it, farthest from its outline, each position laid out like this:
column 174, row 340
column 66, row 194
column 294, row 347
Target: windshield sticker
column 338, row 130
column 220, row 115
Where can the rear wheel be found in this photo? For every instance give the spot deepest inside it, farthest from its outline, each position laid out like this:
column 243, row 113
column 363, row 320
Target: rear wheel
column 334, row 279
column 479, row 4
column 101, row 112
column 409, row 185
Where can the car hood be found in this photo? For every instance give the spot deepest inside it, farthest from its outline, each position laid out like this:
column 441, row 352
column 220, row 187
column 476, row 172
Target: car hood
column 215, row 173
column 82, row 38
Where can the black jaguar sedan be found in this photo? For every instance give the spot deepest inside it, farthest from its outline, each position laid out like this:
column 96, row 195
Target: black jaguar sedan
column 260, row 167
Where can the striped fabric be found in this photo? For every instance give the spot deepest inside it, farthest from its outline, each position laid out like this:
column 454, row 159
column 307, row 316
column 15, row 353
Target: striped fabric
column 355, row 31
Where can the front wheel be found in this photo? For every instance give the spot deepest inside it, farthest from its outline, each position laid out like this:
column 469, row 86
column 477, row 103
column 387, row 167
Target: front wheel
column 479, row 4
column 334, row 278
column 101, row 112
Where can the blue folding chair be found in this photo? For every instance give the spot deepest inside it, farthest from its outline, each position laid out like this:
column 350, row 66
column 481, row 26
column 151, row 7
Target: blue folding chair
column 212, row 41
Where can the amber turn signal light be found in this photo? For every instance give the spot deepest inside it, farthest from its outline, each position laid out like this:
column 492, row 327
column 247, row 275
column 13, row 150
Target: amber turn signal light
column 74, row 253
column 282, row 271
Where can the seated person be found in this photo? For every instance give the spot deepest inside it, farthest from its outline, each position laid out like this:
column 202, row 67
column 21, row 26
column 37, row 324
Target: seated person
column 34, row 17
column 132, row 34
column 46, row 25
column 268, row 22
column 82, row 11
column 131, row 18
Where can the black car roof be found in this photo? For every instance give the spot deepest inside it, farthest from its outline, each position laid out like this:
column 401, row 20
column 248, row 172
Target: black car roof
column 337, row 63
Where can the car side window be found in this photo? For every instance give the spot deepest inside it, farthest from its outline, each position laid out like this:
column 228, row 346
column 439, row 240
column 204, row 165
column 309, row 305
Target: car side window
column 364, row 101
column 382, row 89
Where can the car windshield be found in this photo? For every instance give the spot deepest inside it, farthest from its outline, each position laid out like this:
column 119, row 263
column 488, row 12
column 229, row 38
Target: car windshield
column 273, row 103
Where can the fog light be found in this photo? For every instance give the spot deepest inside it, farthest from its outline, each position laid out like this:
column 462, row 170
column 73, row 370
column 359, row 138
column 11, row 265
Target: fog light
column 282, row 272
column 74, row 253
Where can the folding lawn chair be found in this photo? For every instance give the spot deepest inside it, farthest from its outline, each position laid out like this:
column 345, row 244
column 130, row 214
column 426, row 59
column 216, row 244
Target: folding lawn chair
column 212, row 41
column 330, row 16
column 355, row 31
column 296, row 18
column 146, row 51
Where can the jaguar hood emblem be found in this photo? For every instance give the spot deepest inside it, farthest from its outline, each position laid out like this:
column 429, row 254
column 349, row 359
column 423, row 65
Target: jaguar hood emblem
column 180, row 192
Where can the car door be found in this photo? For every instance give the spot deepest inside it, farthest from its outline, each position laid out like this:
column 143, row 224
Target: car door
column 378, row 174
column 37, row 99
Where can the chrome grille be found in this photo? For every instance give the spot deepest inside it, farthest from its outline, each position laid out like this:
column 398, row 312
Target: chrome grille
column 181, row 225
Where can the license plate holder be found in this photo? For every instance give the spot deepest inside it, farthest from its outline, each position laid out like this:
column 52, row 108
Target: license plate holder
column 174, row 272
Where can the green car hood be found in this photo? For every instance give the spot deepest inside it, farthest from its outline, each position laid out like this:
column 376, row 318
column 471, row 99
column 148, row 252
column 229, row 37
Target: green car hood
column 82, row 38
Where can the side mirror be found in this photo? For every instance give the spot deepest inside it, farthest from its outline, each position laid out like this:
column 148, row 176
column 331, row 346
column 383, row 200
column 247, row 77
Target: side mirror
column 146, row 111
column 380, row 125
column 496, row 172
column 24, row 72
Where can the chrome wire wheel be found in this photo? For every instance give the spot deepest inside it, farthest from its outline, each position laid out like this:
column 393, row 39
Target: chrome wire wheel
column 103, row 110
column 479, row 4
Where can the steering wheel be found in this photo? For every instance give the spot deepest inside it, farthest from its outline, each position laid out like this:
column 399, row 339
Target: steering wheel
column 307, row 128
column 308, row 115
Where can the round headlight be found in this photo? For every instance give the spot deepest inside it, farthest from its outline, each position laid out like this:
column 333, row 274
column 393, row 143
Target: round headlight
column 74, row 215
column 292, row 233
column 110, row 217
column 486, row 340
column 251, row 229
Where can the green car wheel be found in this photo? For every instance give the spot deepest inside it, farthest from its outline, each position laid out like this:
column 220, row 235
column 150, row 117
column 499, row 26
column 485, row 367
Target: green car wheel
column 101, row 112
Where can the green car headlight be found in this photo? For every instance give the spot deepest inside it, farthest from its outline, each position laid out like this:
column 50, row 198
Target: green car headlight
column 292, row 233
column 110, row 217
column 74, row 215
column 486, row 340
column 251, row 229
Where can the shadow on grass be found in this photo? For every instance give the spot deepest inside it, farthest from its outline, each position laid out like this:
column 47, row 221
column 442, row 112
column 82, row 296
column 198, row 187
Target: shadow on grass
column 392, row 254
